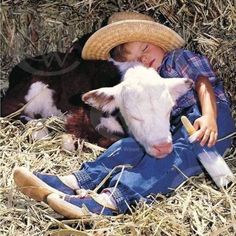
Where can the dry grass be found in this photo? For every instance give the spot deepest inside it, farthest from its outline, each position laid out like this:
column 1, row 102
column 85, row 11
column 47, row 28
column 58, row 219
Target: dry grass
column 34, row 27
column 196, row 207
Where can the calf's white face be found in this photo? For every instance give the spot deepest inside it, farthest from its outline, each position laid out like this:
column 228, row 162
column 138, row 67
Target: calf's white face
column 145, row 101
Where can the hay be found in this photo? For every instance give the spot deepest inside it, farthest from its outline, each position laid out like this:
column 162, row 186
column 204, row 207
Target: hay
column 35, row 27
column 196, row 207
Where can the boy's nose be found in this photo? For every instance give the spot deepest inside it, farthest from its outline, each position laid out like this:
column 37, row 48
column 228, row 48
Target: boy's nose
column 143, row 60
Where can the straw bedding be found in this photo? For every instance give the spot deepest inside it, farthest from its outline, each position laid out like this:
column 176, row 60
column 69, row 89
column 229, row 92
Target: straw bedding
column 197, row 207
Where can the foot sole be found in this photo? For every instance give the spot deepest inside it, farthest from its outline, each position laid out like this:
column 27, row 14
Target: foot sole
column 65, row 208
column 31, row 185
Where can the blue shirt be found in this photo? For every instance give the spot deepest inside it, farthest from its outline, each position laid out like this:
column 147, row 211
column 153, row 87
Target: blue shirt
column 183, row 63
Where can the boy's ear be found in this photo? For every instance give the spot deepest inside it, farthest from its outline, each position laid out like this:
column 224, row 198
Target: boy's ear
column 102, row 99
column 178, row 86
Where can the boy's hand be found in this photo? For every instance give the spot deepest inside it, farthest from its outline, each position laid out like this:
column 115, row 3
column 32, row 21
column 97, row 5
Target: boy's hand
column 207, row 129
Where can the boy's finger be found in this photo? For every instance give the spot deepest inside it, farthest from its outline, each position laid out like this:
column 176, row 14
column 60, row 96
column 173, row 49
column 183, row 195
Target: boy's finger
column 212, row 139
column 205, row 138
column 196, row 125
column 200, row 135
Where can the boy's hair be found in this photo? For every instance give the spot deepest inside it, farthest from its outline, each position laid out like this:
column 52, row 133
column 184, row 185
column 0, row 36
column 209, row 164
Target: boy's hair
column 118, row 53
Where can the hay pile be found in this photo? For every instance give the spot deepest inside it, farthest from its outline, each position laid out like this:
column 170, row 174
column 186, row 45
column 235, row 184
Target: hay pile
column 196, row 207
column 34, row 27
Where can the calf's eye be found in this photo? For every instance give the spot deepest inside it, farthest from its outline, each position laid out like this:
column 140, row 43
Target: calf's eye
column 136, row 118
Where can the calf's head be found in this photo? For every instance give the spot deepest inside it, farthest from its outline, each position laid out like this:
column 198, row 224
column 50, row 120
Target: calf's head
column 145, row 101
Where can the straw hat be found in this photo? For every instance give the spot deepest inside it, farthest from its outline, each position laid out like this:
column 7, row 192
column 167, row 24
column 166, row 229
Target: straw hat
column 126, row 27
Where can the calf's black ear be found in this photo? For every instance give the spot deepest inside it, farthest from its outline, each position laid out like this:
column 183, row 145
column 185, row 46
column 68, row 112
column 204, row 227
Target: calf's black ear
column 78, row 45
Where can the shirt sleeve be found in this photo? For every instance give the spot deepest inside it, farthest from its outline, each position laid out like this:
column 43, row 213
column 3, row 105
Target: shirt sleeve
column 191, row 65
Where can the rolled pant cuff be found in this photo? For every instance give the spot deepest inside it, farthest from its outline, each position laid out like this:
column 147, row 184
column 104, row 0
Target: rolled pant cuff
column 84, row 180
column 122, row 202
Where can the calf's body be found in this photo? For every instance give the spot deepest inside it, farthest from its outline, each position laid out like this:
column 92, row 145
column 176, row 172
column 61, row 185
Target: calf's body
column 52, row 85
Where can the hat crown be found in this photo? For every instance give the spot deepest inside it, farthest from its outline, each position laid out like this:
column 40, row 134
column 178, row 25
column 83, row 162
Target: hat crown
column 122, row 16
column 126, row 27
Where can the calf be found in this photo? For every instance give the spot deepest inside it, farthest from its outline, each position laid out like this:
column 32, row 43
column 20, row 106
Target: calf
column 52, row 85
column 145, row 101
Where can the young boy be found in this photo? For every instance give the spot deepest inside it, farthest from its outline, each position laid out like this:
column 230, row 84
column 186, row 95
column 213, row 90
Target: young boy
column 131, row 174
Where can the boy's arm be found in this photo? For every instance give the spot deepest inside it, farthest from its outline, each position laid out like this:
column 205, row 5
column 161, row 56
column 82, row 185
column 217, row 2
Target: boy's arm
column 206, row 124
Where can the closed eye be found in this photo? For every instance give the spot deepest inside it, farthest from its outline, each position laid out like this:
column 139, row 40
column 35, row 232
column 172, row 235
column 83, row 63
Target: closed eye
column 132, row 116
column 145, row 48
column 137, row 119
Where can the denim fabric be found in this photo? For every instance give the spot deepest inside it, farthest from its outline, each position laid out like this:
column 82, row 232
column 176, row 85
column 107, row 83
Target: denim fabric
column 124, row 152
column 150, row 175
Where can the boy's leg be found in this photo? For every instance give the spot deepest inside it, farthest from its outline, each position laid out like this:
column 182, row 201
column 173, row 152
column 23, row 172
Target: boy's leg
column 125, row 152
column 39, row 185
column 151, row 175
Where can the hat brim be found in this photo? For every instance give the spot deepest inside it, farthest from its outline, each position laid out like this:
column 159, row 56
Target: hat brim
column 102, row 41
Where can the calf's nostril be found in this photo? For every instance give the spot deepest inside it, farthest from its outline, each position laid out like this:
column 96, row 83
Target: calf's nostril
column 163, row 145
column 164, row 148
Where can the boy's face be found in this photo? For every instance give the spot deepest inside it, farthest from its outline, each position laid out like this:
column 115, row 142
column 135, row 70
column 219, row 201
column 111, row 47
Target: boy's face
column 148, row 54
